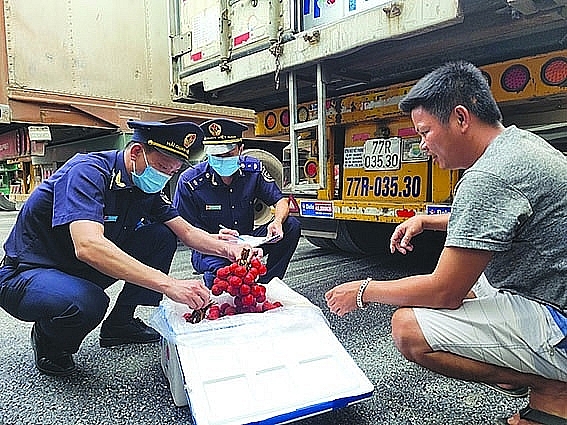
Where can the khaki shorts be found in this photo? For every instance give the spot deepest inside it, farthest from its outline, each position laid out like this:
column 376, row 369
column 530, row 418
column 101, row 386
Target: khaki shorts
column 499, row 328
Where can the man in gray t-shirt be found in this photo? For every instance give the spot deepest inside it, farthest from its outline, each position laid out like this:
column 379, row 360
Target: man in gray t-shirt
column 495, row 308
column 512, row 202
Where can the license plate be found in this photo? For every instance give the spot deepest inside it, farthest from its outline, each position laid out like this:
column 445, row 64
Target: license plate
column 382, row 154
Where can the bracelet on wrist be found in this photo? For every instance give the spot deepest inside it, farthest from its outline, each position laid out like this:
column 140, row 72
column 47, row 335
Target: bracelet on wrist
column 361, row 288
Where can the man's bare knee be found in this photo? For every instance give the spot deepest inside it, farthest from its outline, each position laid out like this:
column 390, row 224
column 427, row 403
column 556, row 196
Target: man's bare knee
column 407, row 335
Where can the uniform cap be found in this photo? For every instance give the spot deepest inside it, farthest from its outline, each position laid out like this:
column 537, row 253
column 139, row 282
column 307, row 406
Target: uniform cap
column 221, row 135
column 172, row 139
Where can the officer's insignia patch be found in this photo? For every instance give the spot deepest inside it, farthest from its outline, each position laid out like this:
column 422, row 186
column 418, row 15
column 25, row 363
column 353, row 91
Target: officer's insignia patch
column 189, row 140
column 118, row 180
column 266, row 175
column 213, row 207
column 215, row 129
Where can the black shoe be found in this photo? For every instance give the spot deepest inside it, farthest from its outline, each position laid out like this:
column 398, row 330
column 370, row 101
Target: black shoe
column 49, row 360
column 132, row 332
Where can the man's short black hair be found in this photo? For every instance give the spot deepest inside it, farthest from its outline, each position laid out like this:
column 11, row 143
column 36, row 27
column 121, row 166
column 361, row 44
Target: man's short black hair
column 453, row 84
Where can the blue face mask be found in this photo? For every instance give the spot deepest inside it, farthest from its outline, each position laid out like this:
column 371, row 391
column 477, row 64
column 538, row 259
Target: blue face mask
column 224, row 166
column 151, row 180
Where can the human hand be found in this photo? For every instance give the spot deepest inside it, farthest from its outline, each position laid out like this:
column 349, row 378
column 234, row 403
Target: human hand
column 256, row 252
column 227, row 234
column 342, row 298
column 515, row 420
column 189, row 292
column 234, row 252
column 275, row 229
column 403, row 233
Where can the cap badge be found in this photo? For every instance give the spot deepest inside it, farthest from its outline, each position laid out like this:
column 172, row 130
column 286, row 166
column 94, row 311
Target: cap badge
column 189, row 140
column 215, row 129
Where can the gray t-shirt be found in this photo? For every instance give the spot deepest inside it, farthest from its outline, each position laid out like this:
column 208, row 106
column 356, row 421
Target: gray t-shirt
column 513, row 202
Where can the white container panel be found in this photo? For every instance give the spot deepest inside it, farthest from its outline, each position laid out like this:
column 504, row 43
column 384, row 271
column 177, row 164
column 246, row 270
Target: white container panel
column 202, row 19
column 249, row 28
column 250, row 23
column 416, row 12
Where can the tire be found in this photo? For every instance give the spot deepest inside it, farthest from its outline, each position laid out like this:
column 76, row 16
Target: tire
column 345, row 241
column 370, row 238
column 362, row 237
column 357, row 237
column 262, row 212
column 324, row 243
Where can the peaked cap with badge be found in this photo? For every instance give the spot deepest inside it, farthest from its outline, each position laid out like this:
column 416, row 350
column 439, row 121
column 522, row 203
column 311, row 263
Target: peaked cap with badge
column 221, row 135
column 172, row 139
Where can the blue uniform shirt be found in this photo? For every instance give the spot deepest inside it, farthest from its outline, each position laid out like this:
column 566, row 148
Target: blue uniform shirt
column 206, row 202
column 94, row 187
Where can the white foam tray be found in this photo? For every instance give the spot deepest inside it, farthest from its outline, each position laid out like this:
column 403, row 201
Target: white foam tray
column 261, row 368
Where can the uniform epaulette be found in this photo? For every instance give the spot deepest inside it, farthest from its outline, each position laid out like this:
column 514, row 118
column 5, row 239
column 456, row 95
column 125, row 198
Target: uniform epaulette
column 250, row 164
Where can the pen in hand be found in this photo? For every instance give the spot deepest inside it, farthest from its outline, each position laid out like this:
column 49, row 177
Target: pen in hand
column 231, row 232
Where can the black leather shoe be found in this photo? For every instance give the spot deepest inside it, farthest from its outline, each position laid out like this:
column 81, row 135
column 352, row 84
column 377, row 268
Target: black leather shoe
column 49, row 360
column 132, row 332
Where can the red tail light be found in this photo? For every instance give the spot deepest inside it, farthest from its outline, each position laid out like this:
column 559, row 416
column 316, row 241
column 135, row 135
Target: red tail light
column 311, row 169
column 554, row 72
column 284, row 117
column 515, row 78
column 270, row 121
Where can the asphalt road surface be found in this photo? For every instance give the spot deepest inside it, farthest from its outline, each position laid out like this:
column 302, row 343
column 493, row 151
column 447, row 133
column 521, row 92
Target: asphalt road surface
column 126, row 385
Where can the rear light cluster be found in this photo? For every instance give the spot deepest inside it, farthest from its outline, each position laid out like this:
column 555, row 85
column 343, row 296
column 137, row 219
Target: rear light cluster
column 271, row 120
column 553, row 73
column 515, row 78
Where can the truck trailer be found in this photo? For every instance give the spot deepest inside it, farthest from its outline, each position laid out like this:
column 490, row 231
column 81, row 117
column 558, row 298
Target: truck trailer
column 329, row 75
column 73, row 73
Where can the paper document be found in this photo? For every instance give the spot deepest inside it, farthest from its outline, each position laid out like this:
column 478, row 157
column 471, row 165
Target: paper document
column 255, row 241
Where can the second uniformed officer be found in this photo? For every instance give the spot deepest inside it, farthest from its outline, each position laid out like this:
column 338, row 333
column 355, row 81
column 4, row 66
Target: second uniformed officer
column 220, row 193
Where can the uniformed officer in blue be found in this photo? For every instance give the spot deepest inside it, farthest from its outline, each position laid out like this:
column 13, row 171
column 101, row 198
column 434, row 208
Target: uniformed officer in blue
column 218, row 195
column 100, row 218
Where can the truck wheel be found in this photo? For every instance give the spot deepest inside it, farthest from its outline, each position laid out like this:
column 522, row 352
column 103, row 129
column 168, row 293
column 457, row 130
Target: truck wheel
column 370, row 238
column 345, row 241
column 356, row 237
column 324, row 243
column 262, row 212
